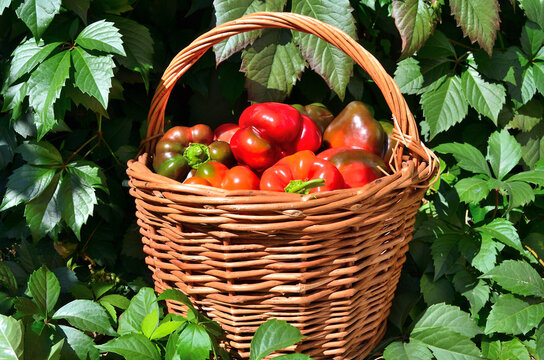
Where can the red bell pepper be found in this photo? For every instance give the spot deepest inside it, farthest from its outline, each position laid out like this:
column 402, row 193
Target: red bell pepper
column 357, row 166
column 224, row 132
column 302, row 173
column 270, row 131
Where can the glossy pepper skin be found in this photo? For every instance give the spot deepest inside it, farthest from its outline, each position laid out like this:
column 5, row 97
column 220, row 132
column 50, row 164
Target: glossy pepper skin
column 237, row 178
column 357, row 166
column 213, row 172
column 355, row 127
column 224, row 132
column 390, row 143
column 168, row 159
column 292, row 172
column 319, row 113
column 270, row 131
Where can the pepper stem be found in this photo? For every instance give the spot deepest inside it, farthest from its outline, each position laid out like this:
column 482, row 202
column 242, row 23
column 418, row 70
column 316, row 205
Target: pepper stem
column 303, row 187
column 196, row 155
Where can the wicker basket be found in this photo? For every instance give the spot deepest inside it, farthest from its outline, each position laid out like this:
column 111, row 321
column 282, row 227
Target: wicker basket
column 327, row 264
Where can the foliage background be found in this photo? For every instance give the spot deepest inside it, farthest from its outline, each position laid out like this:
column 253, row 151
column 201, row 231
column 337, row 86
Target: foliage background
column 476, row 255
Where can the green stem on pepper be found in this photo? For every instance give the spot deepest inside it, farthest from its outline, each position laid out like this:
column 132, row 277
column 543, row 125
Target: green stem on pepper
column 196, row 155
column 303, row 187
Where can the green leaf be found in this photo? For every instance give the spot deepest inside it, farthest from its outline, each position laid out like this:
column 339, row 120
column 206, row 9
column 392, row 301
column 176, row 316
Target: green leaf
column 538, row 75
column 55, row 351
column 45, row 289
column 40, row 153
column 532, row 176
column 444, row 252
column 407, row 351
column 478, row 19
column 132, row 346
column 87, row 101
column 408, row 76
column 271, row 336
column 272, row 66
column 101, row 287
column 76, row 201
column 138, row 45
column 435, row 292
column 3, row 5
column 93, row 74
column 534, row 9
column 81, row 344
column 503, row 153
column 142, row 304
column 7, row 279
column 37, row 14
column 165, row 329
column 505, row 350
column 447, row 344
column 487, row 255
column 175, row 294
column 442, row 316
column 103, row 36
column 532, row 38
column 86, row 315
column 415, row 20
column 293, row 357
column 517, row 277
column 325, row 59
column 115, row 7
column 438, row 46
column 528, row 116
column 487, row 98
column 11, row 338
column 26, row 307
column 540, row 341
column 227, row 10
column 519, row 194
column 532, row 144
column 45, row 85
column 14, row 97
column 467, row 156
column 513, row 316
column 150, row 323
column 444, row 107
column 502, row 230
column 42, row 214
column 194, row 343
column 25, row 184
column 27, row 56
column 472, row 190
column 476, row 291
column 79, row 7
column 116, row 300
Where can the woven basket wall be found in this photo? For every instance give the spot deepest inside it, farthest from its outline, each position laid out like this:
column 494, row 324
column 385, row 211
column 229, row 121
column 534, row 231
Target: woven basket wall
column 327, row 264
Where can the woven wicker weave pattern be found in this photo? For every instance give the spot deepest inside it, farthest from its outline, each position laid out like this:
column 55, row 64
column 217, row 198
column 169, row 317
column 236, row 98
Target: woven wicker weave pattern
column 328, row 264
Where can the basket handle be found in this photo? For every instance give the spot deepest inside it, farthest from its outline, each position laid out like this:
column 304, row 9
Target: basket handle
column 405, row 125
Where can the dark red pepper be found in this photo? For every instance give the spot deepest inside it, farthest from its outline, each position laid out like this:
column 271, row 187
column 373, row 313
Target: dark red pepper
column 319, row 113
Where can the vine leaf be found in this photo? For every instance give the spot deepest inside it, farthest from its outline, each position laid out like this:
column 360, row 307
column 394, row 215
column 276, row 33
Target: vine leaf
column 444, row 252
column 486, row 98
column 272, row 65
column 140, row 306
column 478, row 19
column 331, row 63
column 415, row 20
column 11, row 338
column 80, row 343
column 472, row 190
column 271, row 336
column 25, row 184
column 26, row 57
column 227, row 10
column 444, row 107
column 44, row 287
column 486, row 257
column 86, row 315
column 102, row 36
column 475, row 291
column 532, row 38
column 468, row 157
column 517, row 277
column 514, row 316
column 4, row 4
column 79, row 7
column 503, row 153
column 534, row 9
column 443, row 316
column 42, row 214
column 195, row 342
column 448, row 344
column 502, row 230
column 93, row 74
column 408, row 76
column 407, row 351
column 132, row 346
column 45, row 85
column 38, row 14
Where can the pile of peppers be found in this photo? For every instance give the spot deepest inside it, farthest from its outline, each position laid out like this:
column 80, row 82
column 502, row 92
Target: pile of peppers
column 280, row 147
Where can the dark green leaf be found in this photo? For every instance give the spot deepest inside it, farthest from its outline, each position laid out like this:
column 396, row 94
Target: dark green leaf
column 79, row 7
column 88, row 102
column 407, row 351
column 503, row 153
column 25, row 184
column 444, row 252
column 472, row 190
column 528, row 116
column 45, row 85
column 519, row 194
column 171, row 347
column 11, row 338
column 517, row 277
column 532, row 176
column 538, row 75
column 325, row 59
column 540, row 341
column 86, row 315
column 115, row 7
column 534, row 9
column 103, row 36
column 408, row 76
column 37, row 14
column 437, row 46
column 467, row 156
column 93, row 74
column 27, row 56
column 194, row 343
column 132, row 346
column 447, row 344
column 142, row 304
column 54, row 353
column 138, row 45
column 7, row 279
column 14, row 97
column 116, row 300
column 76, row 201
column 444, row 107
column 514, row 316
column 504, row 231
column 81, row 344
column 227, row 10
column 415, row 20
column 478, row 19
column 272, row 66
column 435, row 292
column 532, row 144
column 44, row 288
column 487, row 98
column 476, row 291
column 487, row 256
column 40, row 153
column 42, row 214
column 271, row 336
column 532, row 38
column 102, row 287
column 442, row 316
column 26, row 307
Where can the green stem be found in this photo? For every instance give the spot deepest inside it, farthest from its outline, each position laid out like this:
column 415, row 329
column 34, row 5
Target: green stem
column 196, row 155
column 303, row 187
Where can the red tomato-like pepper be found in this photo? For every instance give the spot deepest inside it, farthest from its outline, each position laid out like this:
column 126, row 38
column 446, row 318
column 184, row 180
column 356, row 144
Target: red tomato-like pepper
column 240, row 178
column 319, row 113
column 357, row 166
column 195, row 180
column 269, row 131
column 356, row 127
column 302, row 173
column 213, row 172
column 224, row 132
